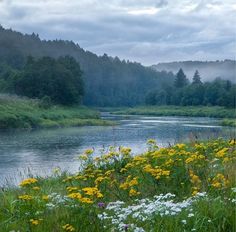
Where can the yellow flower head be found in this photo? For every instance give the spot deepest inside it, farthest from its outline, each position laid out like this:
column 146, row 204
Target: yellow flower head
column 68, row 228
column 133, row 192
column 35, row 222
column 25, row 197
column 86, row 200
column 28, row 182
column 75, row 196
column 45, row 197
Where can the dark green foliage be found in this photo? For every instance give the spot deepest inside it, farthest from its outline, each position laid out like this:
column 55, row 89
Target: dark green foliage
column 196, row 78
column 108, row 81
column 180, row 79
column 216, row 93
column 58, row 79
column 45, row 102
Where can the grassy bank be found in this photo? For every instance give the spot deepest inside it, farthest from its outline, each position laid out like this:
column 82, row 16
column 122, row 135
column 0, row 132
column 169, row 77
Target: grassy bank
column 193, row 111
column 18, row 112
column 229, row 122
column 187, row 187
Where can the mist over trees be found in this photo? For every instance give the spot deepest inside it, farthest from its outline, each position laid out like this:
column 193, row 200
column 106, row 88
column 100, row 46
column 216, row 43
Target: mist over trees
column 209, row 69
column 183, row 92
column 107, row 81
column 66, row 74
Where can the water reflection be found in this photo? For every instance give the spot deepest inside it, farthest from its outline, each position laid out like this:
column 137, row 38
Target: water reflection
column 42, row 150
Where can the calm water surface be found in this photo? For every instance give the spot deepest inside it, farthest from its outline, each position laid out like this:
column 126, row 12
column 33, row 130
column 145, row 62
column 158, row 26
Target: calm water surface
column 40, row 151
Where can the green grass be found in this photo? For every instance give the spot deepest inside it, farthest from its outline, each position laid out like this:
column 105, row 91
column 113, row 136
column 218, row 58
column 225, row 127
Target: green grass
column 16, row 112
column 186, row 187
column 229, row 122
column 193, row 111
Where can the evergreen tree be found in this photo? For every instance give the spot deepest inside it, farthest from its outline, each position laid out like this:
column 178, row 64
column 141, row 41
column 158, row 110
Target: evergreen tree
column 196, row 78
column 181, row 79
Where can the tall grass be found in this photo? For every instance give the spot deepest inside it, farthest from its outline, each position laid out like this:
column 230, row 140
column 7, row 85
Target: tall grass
column 17, row 112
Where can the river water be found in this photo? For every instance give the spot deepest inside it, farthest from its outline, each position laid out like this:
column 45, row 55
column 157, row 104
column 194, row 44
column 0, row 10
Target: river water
column 40, row 151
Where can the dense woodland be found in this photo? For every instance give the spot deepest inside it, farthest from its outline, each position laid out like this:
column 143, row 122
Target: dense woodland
column 62, row 72
column 53, row 80
column 107, row 81
column 195, row 92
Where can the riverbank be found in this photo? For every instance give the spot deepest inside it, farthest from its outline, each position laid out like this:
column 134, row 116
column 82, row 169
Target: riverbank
column 191, row 111
column 18, row 112
column 186, row 187
column 229, row 122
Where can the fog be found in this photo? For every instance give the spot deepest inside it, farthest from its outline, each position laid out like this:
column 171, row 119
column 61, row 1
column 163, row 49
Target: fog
column 208, row 70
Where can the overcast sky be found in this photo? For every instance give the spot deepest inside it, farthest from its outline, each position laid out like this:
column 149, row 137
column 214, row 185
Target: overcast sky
column 146, row 31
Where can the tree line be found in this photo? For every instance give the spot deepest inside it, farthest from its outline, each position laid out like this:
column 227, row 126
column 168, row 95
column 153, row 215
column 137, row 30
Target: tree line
column 67, row 74
column 108, row 81
column 58, row 81
column 192, row 93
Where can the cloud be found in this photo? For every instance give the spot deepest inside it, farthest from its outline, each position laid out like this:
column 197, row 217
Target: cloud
column 147, row 31
column 161, row 3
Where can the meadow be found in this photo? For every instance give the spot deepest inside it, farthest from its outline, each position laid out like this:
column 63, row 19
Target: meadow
column 18, row 112
column 184, row 187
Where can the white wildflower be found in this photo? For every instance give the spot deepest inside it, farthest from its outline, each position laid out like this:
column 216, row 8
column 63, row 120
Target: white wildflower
column 184, row 221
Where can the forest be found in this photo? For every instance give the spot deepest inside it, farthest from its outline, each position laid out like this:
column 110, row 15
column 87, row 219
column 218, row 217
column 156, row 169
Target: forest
column 194, row 93
column 107, row 81
column 63, row 73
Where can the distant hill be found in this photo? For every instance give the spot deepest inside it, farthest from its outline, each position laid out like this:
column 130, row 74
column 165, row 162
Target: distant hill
column 108, row 81
column 208, row 70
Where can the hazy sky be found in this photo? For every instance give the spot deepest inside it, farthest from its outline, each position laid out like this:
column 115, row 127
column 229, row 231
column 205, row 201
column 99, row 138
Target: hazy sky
column 147, row 31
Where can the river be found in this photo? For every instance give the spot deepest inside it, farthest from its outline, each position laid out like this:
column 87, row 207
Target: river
column 40, row 151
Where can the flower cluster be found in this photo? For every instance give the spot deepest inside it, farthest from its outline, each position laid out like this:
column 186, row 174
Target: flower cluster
column 119, row 191
column 28, row 182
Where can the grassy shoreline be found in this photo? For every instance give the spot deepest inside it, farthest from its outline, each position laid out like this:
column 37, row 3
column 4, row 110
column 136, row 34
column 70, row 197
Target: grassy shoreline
column 228, row 116
column 192, row 111
column 186, row 187
column 229, row 122
column 16, row 113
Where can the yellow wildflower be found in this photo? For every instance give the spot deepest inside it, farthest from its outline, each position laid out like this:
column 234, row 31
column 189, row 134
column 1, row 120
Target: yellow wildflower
column 75, row 196
column 133, row 182
column 125, row 150
column 45, row 197
column 109, row 172
column 83, row 157
column 216, row 184
column 88, row 151
column 35, row 222
column 221, row 153
column 71, row 189
column 194, row 193
column 86, row 200
column 92, row 191
column 68, row 228
column 180, row 146
column 133, row 192
column 165, row 173
column 28, row 181
column 25, row 197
